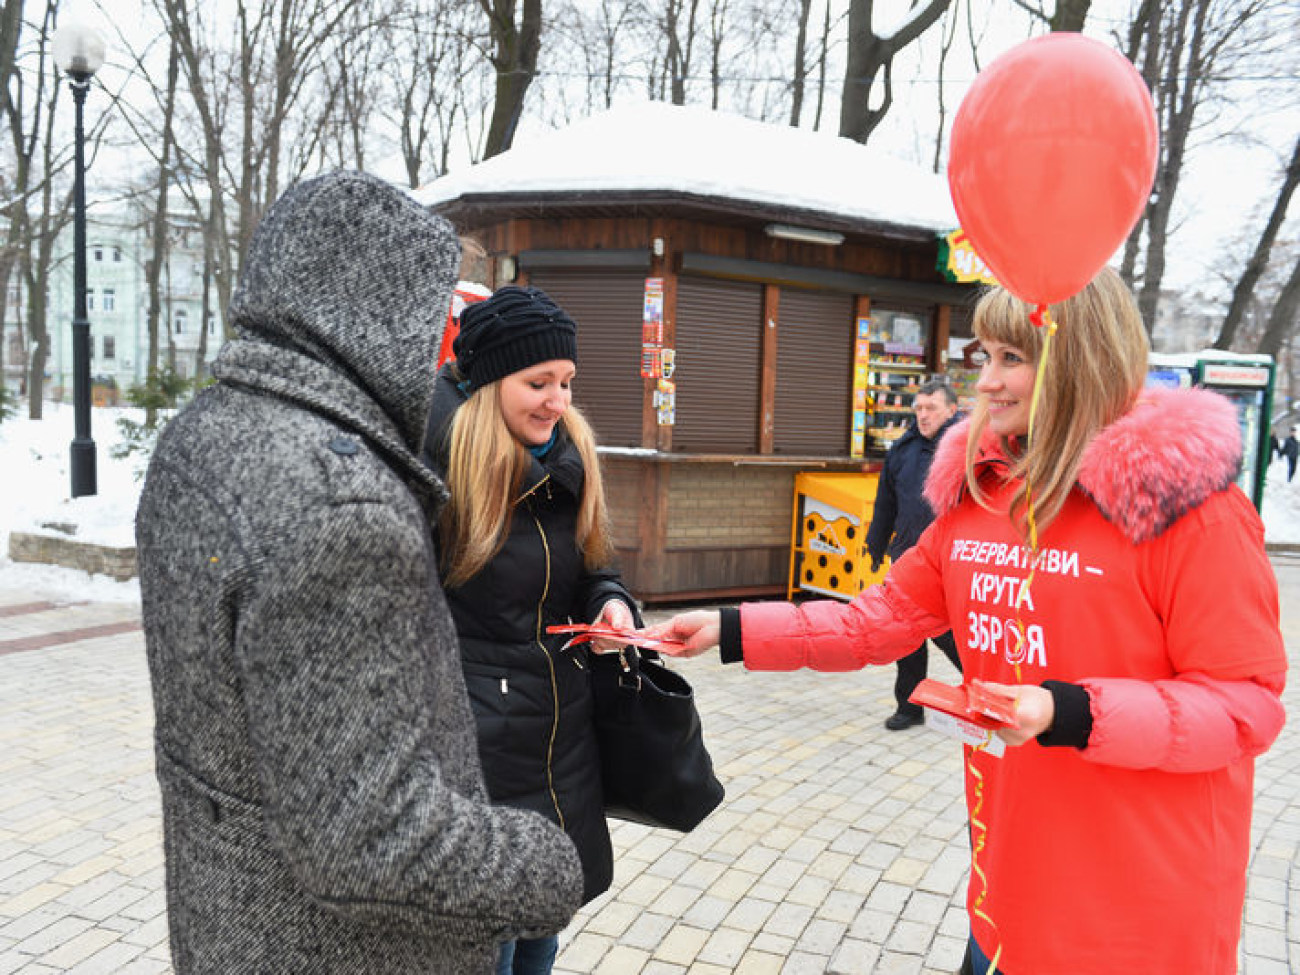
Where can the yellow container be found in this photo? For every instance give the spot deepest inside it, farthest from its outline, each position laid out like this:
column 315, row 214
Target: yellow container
column 828, row 541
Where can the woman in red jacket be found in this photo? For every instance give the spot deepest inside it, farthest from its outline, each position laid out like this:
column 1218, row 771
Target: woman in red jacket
column 1144, row 654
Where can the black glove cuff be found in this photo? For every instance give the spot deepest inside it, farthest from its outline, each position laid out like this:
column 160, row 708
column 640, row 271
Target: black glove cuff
column 729, row 646
column 1072, row 725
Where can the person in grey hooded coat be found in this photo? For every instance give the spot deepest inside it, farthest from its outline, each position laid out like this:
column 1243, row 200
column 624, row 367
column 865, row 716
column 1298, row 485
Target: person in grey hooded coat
column 323, row 803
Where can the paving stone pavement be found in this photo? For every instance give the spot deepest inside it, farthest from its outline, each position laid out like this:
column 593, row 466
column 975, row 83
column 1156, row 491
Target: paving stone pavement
column 841, row 847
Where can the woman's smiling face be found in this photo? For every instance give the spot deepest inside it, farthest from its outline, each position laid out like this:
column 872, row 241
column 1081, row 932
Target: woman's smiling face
column 533, row 400
column 1007, row 383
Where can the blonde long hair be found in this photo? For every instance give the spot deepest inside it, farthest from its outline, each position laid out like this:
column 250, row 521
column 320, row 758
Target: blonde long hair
column 485, row 473
column 1097, row 368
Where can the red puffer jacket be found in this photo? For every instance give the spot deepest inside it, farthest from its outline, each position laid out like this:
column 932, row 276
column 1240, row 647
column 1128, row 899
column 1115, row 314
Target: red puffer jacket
column 1152, row 591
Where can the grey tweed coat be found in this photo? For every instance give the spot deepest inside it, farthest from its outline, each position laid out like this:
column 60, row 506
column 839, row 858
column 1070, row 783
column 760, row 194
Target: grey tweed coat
column 323, row 804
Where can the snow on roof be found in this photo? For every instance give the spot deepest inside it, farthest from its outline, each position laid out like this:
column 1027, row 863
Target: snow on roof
column 654, row 146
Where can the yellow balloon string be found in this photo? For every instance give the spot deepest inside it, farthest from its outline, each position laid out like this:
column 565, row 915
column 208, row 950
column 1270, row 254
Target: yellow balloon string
column 1042, row 317
column 977, row 908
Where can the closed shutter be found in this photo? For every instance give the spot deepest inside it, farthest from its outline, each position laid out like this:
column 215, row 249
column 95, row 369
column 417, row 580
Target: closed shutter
column 719, row 328
column 607, row 305
column 814, row 372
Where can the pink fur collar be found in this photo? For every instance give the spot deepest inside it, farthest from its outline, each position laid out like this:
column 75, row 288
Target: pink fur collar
column 1160, row 460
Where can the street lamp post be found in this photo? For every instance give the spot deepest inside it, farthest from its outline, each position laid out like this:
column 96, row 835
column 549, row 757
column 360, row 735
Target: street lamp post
column 79, row 53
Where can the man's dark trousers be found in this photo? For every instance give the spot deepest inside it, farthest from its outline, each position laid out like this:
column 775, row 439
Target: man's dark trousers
column 913, row 667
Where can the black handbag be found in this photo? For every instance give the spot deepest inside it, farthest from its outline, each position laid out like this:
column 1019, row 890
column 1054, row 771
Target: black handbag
column 654, row 767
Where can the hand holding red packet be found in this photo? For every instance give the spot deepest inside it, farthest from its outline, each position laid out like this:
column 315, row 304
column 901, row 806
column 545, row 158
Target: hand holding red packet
column 971, row 702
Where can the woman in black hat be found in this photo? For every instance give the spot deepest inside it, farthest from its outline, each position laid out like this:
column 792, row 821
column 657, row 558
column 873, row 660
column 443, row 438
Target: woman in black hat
column 524, row 543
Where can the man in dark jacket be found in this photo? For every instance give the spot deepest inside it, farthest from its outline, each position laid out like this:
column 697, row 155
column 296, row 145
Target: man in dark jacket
column 1290, row 449
column 323, row 805
column 901, row 514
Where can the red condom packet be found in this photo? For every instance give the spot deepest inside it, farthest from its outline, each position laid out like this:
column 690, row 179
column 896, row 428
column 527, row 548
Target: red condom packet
column 586, row 632
column 969, row 702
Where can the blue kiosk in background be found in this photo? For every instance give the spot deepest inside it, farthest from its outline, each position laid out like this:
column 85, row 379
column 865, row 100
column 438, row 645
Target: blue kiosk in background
column 1247, row 380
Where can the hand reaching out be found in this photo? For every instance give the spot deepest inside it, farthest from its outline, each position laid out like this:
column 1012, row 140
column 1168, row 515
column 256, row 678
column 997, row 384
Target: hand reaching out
column 697, row 631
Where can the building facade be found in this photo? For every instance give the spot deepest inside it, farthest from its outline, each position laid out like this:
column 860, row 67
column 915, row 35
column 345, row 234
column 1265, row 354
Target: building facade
column 118, row 249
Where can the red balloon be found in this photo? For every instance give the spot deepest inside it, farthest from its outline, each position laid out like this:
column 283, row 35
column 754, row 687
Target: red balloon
column 1051, row 162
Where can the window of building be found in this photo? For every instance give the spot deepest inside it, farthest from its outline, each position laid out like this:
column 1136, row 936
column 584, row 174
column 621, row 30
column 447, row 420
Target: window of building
column 180, row 321
column 90, row 299
column 110, row 347
column 117, row 255
column 212, row 324
column 110, row 299
column 99, row 252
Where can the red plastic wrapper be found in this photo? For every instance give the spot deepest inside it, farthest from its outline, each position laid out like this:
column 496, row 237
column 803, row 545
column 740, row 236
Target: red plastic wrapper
column 970, row 702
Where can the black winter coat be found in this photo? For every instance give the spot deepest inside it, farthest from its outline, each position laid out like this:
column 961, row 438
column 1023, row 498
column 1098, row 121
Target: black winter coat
column 532, row 699
column 901, row 512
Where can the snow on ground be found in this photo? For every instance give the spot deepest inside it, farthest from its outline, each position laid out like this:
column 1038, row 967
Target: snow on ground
column 1281, row 509
column 35, row 490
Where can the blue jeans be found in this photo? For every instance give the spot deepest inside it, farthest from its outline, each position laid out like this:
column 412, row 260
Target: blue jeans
column 979, row 961
column 528, row 956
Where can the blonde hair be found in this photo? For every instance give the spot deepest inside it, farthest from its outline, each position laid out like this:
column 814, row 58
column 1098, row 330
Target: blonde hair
column 1096, row 370
column 485, row 473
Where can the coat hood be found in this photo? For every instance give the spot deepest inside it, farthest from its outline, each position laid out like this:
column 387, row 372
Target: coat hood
column 350, row 272
column 1166, row 456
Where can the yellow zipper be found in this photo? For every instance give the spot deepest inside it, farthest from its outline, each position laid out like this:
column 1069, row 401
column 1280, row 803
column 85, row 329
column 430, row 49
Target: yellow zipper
column 550, row 663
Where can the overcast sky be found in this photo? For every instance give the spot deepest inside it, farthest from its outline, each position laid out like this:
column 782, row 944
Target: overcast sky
column 1230, row 180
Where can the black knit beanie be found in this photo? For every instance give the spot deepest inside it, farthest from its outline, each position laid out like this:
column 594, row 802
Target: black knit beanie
column 512, row 330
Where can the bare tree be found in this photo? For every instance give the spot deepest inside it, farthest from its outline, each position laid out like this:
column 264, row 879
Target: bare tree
column 428, row 61
column 516, row 44
column 871, row 55
column 1258, row 262
column 36, row 212
column 251, row 102
column 10, row 30
column 679, row 23
column 597, row 38
column 947, row 35
column 1066, row 15
column 1184, row 53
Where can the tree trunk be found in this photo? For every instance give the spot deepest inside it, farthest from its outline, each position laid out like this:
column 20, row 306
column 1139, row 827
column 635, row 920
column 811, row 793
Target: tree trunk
column 205, row 311
column 153, row 267
column 515, row 52
column 178, row 22
column 1258, row 262
column 800, row 69
column 1144, row 28
column 1179, row 101
column 822, row 61
column 38, row 341
column 870, row 55
column 1070, row 15
column 1282, row 320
